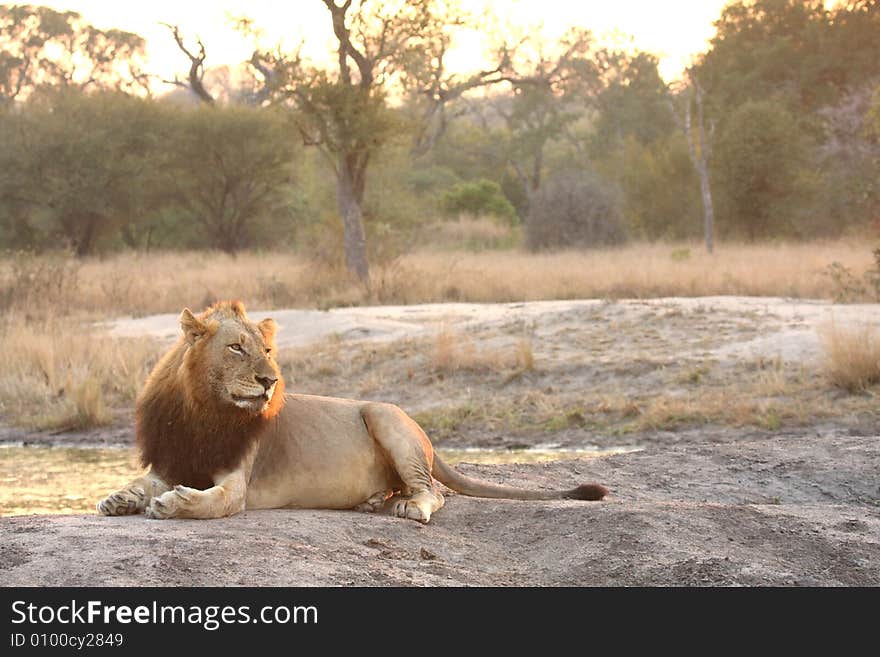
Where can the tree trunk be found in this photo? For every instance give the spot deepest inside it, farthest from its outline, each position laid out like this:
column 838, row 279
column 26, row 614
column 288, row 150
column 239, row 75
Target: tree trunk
column 228, row 238
column 708, row 209
column 82, row 230
column 701, row 156
column 84, row 244
column 348, row 201
column 700, row 160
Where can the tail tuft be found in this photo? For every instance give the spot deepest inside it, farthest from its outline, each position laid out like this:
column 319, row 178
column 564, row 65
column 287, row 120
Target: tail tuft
column 591, row 492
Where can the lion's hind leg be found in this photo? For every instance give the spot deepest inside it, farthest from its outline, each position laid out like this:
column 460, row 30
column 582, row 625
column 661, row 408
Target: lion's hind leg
column 411, row 455
column 419, row 506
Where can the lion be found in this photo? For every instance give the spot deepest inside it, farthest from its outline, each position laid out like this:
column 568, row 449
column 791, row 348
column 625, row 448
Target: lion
column 219, row 434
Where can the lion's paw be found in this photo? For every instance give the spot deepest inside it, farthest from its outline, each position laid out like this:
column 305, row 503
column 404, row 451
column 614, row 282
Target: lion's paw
column 410, row 508
column 374, row 502
column 172, row 504
column 123, row 503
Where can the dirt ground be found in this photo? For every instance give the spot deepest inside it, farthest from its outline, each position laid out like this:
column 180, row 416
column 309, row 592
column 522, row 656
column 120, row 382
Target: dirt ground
column 752, row 470
column 797, row 510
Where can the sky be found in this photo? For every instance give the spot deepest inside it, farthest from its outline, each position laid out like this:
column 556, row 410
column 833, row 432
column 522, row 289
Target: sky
column 674, row 30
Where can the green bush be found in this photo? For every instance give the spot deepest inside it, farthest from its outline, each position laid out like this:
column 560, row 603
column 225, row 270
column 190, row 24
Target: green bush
column 74, row 168
column 478, row 198
column 760, row 162
column 230, row 174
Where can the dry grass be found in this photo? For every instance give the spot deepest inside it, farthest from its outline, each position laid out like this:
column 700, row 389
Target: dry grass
column 471, row 234
column 852, row 356
column 129, row 283
column 59, row 376
column 58, row 373
column 636, row 271
column 324, row 366
column 427, row 376
column 455, row 352
column 758, row 402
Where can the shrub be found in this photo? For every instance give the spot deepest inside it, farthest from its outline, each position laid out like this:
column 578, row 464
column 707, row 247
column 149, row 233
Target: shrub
column 574, row 210
column 481, row 197
column 852, row 356
column 760, row 164
column 849, row 287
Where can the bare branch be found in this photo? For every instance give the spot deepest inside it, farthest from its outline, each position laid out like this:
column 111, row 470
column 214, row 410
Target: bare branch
column 196, row 69
column 346, row 48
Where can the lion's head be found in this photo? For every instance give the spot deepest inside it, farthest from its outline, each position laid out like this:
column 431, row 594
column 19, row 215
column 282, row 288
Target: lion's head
column 210, row 396
column 230, row 361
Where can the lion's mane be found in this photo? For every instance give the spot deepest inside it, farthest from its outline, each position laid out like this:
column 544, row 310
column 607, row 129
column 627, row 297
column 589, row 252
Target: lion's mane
column 181, row 429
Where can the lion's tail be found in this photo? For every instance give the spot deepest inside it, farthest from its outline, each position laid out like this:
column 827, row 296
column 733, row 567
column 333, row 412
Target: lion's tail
column 448, row 476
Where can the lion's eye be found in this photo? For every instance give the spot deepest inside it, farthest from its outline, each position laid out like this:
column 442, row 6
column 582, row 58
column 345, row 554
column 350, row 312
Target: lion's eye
column 236, row 348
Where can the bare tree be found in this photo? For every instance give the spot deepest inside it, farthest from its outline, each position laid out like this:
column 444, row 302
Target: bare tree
column 548, row 96
column 195, row 78
column 436, row 90
column 343, row 110
column 380, row 47
column 699, row 142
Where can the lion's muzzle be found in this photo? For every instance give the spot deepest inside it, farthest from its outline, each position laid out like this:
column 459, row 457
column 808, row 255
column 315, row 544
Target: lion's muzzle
column 268, row 383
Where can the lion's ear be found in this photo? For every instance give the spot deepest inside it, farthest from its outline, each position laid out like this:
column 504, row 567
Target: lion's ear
column 268, row 328
column 193, row 328
column 238, row 308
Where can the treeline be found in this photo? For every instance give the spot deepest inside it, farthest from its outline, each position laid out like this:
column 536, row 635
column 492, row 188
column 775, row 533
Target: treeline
column 108, row 170
column 582, row 145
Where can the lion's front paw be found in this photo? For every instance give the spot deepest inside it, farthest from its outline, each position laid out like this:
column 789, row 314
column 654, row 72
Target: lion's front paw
column 172, row 504
column 123, row 503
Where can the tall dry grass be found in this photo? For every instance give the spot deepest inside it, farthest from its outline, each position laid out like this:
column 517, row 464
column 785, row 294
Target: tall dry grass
column 60, row 375
column 852, row 356
column 637, row 271
column 454, row 351
column 57, row 371
column 470, row 234
column 134, row 283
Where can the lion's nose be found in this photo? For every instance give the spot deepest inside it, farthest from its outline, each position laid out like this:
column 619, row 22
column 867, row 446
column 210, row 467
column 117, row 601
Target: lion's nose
column 267, row 381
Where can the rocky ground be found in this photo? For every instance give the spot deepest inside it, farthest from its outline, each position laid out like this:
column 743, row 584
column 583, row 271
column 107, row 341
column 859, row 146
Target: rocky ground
column 753, row 470
column 796, row 510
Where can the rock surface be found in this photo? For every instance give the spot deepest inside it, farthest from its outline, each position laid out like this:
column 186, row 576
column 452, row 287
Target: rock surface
column 792, row 510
